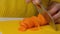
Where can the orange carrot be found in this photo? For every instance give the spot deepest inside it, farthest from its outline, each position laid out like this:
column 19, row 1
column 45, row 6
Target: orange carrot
column 42, row 19
column 23, row 26
column 26, row 24
column 32, row 22
column 35, row 21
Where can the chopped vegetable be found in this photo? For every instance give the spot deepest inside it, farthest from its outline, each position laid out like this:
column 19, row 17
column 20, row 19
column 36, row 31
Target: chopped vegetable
column 42, row 19
column 32, row 22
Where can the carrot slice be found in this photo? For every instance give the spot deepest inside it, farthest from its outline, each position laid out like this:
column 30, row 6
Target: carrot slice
column 28, row 22
column 23, row 26
column 35, row 21
column 42, row 19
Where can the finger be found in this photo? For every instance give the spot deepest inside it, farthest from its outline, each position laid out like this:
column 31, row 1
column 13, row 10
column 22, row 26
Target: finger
column 56, row 16
column 57, row 21
column 54, row 9
column 52, row 4
column 36, row 2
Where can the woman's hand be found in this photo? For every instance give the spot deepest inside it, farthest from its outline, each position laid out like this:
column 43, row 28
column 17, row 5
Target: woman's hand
column 55, row 11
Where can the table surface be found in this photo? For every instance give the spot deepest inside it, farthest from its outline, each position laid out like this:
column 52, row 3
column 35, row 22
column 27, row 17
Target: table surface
column 11, row 27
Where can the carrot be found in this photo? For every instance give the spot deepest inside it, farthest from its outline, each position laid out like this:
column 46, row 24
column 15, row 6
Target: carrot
column 33, row 22
column 23, row 26
column 26, row 24
column 42, row 20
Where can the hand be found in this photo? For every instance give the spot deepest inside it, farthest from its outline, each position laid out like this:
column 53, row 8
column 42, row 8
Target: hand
column 55, row 11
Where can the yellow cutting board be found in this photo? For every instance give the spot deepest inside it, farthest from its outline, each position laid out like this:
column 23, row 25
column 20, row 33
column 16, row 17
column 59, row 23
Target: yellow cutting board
column 11, row 27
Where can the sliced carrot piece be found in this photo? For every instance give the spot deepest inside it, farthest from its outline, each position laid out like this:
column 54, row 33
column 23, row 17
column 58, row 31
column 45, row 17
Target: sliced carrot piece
column 28, row 22
column 42, row 19
column 25, row 24
column 35, row 21
column 22, row 28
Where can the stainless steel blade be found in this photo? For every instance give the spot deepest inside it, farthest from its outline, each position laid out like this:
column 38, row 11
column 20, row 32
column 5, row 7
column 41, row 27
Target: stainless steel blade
column 46, row 14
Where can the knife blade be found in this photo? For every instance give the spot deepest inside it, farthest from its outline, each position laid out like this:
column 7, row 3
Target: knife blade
column 46, row 14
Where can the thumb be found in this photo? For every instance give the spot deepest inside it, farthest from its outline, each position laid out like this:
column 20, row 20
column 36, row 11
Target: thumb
column 36, row 1
column 57, row 15
column 54, row 10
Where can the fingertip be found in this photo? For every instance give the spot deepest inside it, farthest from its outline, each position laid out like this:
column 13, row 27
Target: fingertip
column 56, row 16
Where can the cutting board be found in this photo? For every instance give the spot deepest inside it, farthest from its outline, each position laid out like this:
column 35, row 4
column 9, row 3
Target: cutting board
column 11, row 27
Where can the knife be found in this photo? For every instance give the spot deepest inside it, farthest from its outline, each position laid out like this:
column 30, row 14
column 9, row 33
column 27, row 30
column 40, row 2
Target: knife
column 46, row 14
